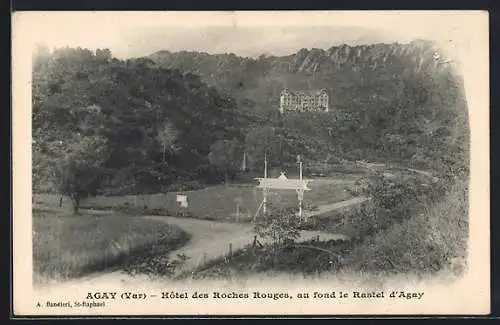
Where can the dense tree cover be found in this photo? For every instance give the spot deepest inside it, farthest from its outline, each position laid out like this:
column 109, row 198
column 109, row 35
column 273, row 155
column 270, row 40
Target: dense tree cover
column 155, row 126
column 152, row 123
column 396, row 102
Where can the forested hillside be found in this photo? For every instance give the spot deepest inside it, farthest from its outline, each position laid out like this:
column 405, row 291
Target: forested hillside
column 138, row 126
column 151, row 124
column 402, row 102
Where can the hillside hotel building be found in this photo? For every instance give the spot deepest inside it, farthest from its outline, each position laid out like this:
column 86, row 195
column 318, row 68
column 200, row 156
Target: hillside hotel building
column 304, row 101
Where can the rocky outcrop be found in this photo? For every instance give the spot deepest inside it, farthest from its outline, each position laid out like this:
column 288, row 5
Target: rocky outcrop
column 347, row 72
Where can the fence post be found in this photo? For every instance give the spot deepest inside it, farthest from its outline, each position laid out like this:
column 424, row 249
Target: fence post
column 230, row 250
column 254, row 241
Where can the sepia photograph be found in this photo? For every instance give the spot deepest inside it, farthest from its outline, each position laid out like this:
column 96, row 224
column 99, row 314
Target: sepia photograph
column 224, row 163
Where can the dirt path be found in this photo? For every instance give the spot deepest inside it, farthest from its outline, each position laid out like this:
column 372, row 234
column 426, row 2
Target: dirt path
column 422, row 172
column 322, row 209
column 210, row 239
column 389, row 165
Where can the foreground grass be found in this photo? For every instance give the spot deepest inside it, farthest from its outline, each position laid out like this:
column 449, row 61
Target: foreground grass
column 67, row 246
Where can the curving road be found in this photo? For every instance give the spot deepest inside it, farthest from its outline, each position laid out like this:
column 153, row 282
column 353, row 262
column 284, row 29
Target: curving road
column 210, row 239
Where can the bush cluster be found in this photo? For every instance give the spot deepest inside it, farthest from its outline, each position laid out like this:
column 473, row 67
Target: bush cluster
column 410, row 226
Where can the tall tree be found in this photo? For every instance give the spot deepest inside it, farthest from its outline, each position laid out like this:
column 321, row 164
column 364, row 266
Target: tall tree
column 79, row 172
column 225, row 154
column 261, row 141
column 167, row 137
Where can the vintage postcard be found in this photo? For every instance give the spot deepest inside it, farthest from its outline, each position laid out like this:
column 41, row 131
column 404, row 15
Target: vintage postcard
column 251, row 163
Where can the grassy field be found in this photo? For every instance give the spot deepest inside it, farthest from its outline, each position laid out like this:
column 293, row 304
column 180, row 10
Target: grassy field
column 66, row 246
column 220, row 202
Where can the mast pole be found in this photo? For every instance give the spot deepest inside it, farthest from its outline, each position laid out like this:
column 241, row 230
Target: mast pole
column 265, row 165
column 264, row 190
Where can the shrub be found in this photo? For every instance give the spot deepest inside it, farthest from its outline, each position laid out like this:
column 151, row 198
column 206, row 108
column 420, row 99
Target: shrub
column 353, row 190
column 426, row 236
column 280, row 226
column 390, row 201
column 307, row 258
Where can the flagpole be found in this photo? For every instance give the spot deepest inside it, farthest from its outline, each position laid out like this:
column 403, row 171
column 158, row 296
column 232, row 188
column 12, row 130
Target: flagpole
column 264, row 190
column 300, row 191
column 265, row 165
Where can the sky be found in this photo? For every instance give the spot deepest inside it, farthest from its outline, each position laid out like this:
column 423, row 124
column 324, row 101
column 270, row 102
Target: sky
column 132, row 34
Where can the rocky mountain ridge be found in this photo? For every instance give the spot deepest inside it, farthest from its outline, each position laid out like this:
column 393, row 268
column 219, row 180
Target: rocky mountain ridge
column 347, row 72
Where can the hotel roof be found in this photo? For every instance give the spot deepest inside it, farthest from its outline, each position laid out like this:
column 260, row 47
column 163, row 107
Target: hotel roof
column 304, row 92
